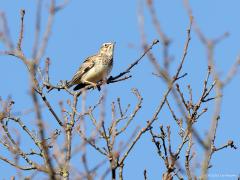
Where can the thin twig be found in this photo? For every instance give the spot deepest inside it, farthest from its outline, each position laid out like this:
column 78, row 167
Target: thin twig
column 19, row 44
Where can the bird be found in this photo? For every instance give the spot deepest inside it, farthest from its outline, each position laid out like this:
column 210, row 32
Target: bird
column 94, row 69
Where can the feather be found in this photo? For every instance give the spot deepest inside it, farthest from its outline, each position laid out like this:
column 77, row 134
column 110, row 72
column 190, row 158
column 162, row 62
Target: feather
column 86, row 66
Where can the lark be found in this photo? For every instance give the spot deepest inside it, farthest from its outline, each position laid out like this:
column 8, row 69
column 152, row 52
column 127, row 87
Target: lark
column 94, row 69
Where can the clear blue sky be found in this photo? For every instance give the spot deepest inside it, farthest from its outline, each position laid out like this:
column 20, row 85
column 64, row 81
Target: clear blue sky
column 83, row 26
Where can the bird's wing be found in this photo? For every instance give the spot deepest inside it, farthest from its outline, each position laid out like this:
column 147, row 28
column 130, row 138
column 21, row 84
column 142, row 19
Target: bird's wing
column 85, row 67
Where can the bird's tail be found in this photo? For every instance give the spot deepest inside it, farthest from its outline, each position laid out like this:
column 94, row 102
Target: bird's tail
column 79, row 86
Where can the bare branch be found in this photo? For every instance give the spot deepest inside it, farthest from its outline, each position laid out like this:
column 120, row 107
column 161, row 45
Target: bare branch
column 19, row 44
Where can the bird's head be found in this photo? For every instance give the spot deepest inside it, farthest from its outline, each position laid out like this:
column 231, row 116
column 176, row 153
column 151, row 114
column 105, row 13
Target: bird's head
column 107, row 49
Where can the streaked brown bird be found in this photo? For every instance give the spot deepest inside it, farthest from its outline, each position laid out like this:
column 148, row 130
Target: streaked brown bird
column 94, row 69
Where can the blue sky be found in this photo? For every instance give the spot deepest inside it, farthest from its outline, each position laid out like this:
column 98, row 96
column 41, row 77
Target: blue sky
column 80, row 29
